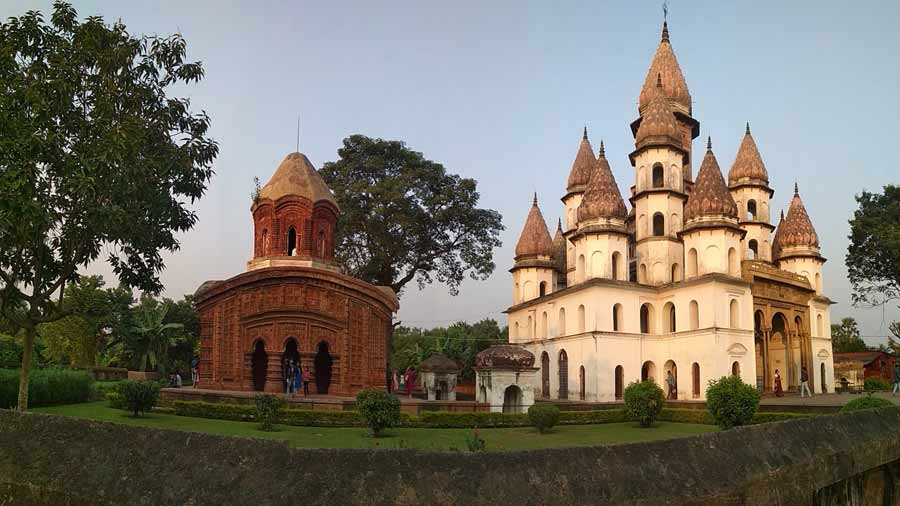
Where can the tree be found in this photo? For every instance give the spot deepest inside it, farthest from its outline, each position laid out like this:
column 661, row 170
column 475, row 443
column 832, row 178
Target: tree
column 460, row 341
column 845, row 337
column 95, row 158
column 151, row 336
column 404, row 218
column 873, row 257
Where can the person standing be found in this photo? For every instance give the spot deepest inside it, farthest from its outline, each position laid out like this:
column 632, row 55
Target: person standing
column 804, row 383
column 410, row 381
column 779, row 392
column 896, row 380
column 673, row 388
column 195, row 371
column 307, row 376
column 298, row 378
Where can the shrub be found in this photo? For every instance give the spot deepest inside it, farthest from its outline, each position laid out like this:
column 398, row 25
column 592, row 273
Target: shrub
column 875, row 384
column 543, row 416
column 594, row 416
column 116, row 401
column 10, row 352
column 644, row 401
column 867, row 402
column 379, row 409
column 731, row 402
column 474, row 441
column 468, row 420
column 47, row 387
column 268, row 409
column 138, row 397
column 101, row 388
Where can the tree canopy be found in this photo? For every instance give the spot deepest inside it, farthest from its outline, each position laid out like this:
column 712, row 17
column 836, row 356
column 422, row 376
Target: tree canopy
column 404, row 218
column 845, row 337
column 460, row 341
column 873, row 257
column 96, row 158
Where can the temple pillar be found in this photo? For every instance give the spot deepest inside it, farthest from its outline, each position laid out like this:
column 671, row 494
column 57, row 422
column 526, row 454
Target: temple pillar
column 767, row 381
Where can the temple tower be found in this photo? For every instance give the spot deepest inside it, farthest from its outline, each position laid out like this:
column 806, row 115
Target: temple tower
column 748, row 181
column 579, row 176
column 796, row 244
column 534, row 274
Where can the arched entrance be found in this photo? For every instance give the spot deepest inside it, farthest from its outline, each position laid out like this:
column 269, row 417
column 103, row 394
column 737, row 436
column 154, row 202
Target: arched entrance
column 648, row 371
column 620, row 378
column 442, row 391
column 779, row 350
column 259, row 364
column 292, row 242
column 695, row 380
column 545, row 375
column 291, row 351
column 512, row 399
column 822, row 378
column 760, row 348
column 736, row 369
column 563, row 375
column 581, row 382
column 671, row 390
column 323, row 368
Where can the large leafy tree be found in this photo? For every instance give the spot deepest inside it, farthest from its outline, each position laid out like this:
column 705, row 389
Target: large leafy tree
column 460, row 341
column 873, row 257
column 151, row 337
column 845, row 336
column 404, row 218
column 96, row 158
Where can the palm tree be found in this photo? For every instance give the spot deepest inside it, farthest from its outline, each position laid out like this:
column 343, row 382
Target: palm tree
column 151, row 338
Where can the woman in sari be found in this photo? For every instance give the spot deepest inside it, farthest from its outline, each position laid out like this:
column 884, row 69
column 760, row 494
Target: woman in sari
column 779, row 392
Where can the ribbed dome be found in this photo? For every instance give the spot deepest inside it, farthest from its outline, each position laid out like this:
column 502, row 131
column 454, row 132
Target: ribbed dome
column 658, row 125
column 535, row 239
column 583, row 165
column 504, row 356
column 296, row 176
column 666, row 65
column 796, row 229
column 748, row 165
column 559, row 249
column 602, row 198
column 710, row 197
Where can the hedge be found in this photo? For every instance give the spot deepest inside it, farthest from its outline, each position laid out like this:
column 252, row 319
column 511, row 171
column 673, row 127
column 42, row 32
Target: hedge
column 247, row 413
column 46, row 387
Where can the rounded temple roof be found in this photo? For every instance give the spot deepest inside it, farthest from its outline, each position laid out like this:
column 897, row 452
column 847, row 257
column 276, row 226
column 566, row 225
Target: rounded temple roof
column 504, row 356
column 710, row 196
column 296, row 176
column 535, row 238
column 796, row 229
column 602, row 198
column 439, row 363
column 666, row 65
column 658, row 125
column 748, row 165
column 583, row 165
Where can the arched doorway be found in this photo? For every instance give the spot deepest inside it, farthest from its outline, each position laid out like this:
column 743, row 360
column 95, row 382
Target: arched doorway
column 512, row 399
column 736, row 369
column 545, row 375
column 581, row 382
column 671, row 390
column 259, row 364
column 779, row 352
column 760, row 348
column 291, row 354
column 323, row 368
column 695, row 380
column 292, row 242
column 563, row 375
column 443, row 391
column 620, row 378
column 822, row 378
column 648, row 371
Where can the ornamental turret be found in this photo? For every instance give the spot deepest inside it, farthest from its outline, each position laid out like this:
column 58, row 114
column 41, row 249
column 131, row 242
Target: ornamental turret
column 559, row 256
column 579, row 176
column 749, row 184
column 534, row 274
column 712, row 237
column 796, row 244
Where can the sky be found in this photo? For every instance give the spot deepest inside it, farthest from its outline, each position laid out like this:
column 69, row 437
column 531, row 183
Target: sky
column 499, row 91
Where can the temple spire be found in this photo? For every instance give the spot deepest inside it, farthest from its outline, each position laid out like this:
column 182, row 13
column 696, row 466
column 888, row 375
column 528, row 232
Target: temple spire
column 709, row 143
column 665, row 32
column 584, row 135
column 748, row 128
column 534, row 202
column 796, row 191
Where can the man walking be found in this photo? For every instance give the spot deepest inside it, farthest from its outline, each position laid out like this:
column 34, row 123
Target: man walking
column 804, row 383
column 896, row 380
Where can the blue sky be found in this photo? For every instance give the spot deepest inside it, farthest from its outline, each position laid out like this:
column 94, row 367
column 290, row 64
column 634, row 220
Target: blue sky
column 499, row 91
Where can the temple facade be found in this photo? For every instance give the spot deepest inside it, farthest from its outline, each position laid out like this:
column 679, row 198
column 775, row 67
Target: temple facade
column 687, row 280
column 293, row 302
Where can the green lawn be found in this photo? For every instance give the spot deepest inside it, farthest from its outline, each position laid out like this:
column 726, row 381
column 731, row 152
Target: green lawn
column 524, row 438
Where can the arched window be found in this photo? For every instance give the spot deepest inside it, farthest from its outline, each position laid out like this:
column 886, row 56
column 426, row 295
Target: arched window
column 692, row 263
column 642, row 278
column 545, row 375
column 292, row 242
column 581, row 318
column 659, row 176
column 676, row 272
column 659, row 225
column 544, row 325
column 695, row 380
column 734, row 320
column 753, row 249
column 581, row 274
column 620, row 380
column 669, row 315
column 736, row 369
column 695, row 315
column 616, row 257
column 648, row 371
column 734, row 267
column 581, row 382
column 751, row 209
column 563, row 375
column 617, row 317
column 647, row 318
column 820, row 325
column 542, row 290
column 562, row 321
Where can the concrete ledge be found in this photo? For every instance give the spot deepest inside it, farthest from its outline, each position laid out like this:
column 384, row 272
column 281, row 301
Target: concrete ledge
column 56, row 460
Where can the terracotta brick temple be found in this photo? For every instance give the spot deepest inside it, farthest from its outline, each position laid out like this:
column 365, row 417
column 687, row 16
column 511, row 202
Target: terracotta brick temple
column 294, row 302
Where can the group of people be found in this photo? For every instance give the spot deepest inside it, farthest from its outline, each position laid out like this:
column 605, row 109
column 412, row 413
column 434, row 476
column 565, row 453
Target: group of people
column 804, row 383
column 295, row 377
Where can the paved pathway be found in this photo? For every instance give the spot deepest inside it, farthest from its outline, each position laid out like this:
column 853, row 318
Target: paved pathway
column 821, row 400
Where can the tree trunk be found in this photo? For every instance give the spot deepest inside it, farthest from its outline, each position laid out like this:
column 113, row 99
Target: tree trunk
column 30, row 332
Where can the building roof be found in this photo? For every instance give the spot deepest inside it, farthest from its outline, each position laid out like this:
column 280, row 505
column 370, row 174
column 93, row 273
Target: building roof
column 710, row 196
column 666, row 65
column 748, row 165
column 559, row 249
column 583, row 165
column 439, row 363
column 296, row 176
column 658, row 125
column 535, row 238
column 796, row 229
column 602, row 198
column 865, row 357
column 504, row 356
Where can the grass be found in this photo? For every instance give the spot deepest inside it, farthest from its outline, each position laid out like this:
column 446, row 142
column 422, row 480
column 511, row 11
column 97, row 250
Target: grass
column 523, row 438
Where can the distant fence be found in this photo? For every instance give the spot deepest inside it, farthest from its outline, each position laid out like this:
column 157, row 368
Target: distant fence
column 825, row 461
